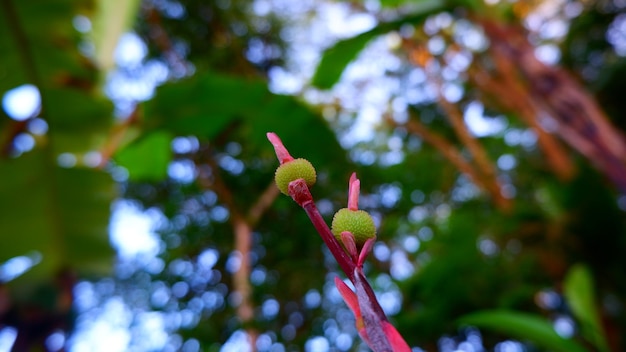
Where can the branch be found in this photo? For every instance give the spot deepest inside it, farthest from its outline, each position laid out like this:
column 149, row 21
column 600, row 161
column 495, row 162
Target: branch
column 265, row 200
column 447, row 149
column 116, row 136
column 510, row 95
column 159, row 35
column 243, row 244
column 485, row 166
column 454, row 156
column 9, row 131
column 299, row 191
column 485, row 175
column 506, row 88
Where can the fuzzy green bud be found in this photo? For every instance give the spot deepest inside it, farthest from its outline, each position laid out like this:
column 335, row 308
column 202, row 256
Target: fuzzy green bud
column 359, row 222
column 293, row 170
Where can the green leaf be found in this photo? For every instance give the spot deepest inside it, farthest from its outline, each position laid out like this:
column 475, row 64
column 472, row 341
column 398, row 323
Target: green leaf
column 335, row 59
column 39, row 46
column 578, row 291
column 62, row 213
column 209, row 104
column 204, row 104
column 392, row 3
column 147, row 158
column 78, row 120
column 522, row 326
column 39, row 43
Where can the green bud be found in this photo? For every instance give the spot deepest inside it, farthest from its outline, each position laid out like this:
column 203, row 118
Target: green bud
column 359, row 222
column 293, row 170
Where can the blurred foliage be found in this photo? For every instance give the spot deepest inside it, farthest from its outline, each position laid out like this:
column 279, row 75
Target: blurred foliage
column 523, row 326
column 540, row 249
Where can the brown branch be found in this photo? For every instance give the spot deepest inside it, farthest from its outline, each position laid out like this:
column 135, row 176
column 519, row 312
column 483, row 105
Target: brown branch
column 243, row 243
column 242, row 228
column 581, row 122
column 539, row 90
column 507, row 88
column 485, row 175
column 161, row 39
column 512, row 98
column 9, row 131
column 485, row 167
column 116, row 137
column 552, row 92
column 265, row 200
column 504, row 86
column 447, row 149
column 509, row 94
column 475, row 149
column 569, row 103
column 454, row 156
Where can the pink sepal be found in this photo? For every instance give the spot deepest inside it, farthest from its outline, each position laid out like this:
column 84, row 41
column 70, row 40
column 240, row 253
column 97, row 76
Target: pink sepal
column 349, row 297
column 394, row 338
column 354, row 187
column 281, row 152
column 367, row 248
column 348, row 241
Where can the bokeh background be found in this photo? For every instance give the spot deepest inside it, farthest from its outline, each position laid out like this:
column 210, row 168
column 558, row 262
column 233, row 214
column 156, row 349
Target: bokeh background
column 137, row 204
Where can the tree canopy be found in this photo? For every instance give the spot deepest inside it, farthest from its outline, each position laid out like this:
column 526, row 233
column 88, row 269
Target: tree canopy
column 488, row 138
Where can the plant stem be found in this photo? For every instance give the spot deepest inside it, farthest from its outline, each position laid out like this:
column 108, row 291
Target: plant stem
column 301, row 194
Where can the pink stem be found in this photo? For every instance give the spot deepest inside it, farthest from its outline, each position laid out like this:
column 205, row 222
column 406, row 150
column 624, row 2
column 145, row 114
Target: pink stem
column 374, row 306
column 373, row 315
column 301, row 195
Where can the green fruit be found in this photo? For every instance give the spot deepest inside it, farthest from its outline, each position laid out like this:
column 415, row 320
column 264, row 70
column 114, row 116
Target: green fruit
column 293, row 170
column 359, row 222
